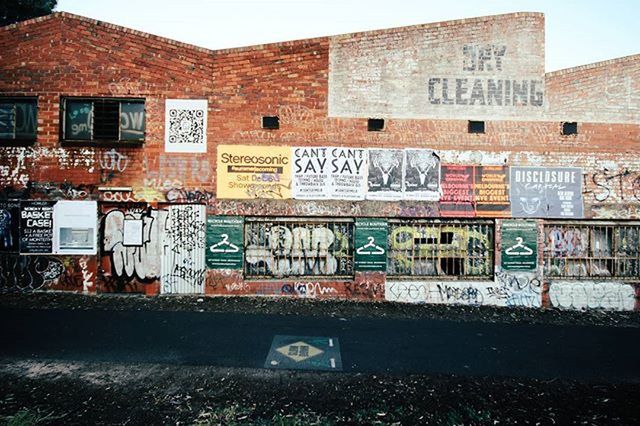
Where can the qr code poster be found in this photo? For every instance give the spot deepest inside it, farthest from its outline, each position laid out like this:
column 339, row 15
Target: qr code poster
column 185, row 125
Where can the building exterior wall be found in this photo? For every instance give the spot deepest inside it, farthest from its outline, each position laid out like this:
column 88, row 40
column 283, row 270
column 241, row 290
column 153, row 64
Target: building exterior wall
column 323, row 90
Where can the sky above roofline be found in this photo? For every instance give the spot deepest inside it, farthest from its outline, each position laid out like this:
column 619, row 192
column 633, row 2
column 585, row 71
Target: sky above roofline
column 577, row 32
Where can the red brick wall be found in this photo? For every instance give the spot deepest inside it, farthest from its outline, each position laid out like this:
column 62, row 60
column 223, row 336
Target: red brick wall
column 64, row 55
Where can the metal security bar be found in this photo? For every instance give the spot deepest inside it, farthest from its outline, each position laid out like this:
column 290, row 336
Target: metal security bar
column 285, row 247
column 441, row 248
column 603, row 250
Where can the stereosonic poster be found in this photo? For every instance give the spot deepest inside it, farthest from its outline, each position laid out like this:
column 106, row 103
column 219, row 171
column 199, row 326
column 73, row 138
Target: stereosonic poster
column 322, row 173
column 421, row 175
column 385, row 174
column 251, row 172
column 546, row 192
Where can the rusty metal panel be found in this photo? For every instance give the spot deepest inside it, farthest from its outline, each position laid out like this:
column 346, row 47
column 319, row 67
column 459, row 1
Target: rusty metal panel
column 602, row 250
column 183, row 250
column 441, row 248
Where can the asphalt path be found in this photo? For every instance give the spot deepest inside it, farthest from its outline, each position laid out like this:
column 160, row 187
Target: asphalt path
column 368, row 345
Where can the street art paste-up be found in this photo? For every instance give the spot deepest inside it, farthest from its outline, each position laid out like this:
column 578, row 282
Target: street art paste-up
column 75, row 227
column 186, row 125
column 251, row 172
column 457, row 198
column 385, row 174
column 491, row 191
column 287, row 249
column 421, row 175
column 9, row 226
column 546, row 192
column 225, row 239
column 371, row 245
column 36, row 227
column 519, row 245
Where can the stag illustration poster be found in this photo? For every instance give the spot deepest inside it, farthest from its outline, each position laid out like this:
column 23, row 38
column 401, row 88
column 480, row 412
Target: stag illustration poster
column 421, row 175
column 385, row 174
column 546, row 192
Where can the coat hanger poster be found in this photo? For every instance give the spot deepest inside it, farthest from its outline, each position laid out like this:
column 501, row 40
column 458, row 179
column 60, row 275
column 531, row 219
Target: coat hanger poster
column 519, row 245
column 225, row 236
column 371, row 245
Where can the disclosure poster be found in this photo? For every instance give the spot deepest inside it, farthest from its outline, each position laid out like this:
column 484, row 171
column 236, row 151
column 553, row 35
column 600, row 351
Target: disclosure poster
column 546, row 192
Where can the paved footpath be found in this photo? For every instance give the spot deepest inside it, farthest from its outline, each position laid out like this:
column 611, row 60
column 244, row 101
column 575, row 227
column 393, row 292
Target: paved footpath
column 593, row 353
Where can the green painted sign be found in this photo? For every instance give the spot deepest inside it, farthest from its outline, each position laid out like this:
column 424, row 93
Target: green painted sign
column 371, row 245
column 519, row 245
column 225, row 235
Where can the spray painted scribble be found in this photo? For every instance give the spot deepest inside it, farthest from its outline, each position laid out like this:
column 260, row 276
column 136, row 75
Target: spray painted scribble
column 592, row 295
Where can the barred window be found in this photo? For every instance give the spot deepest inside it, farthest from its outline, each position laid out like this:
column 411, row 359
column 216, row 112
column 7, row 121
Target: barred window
column 18, row 119
column 103, row 119
column 450, row 248
column 592, row 249
column 276, row 248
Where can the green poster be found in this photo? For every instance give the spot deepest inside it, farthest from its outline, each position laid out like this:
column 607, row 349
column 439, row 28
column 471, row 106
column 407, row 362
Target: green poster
column 371, row 245
column 225, row 235
column 519, row 245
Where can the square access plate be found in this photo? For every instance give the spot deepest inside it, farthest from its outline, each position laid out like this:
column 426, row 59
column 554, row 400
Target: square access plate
column 304, row 353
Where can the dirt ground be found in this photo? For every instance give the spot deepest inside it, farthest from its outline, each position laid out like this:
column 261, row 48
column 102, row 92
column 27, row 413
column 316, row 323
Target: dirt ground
column 40, row 391
column 80, row 393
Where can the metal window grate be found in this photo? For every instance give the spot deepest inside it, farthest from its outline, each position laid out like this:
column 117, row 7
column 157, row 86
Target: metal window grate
column 598, row 250
column 103, row 119
column 441, row 248
column 277, row 248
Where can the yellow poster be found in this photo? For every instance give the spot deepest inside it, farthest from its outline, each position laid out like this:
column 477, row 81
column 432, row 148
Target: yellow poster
column 248, row 172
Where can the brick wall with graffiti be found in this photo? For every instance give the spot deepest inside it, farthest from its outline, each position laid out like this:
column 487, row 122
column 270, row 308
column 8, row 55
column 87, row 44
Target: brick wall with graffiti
column 300, row 193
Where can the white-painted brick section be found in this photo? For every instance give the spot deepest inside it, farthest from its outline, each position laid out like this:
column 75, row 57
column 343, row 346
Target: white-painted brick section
column 592, row 295
column 388, row 73
column 506, row 290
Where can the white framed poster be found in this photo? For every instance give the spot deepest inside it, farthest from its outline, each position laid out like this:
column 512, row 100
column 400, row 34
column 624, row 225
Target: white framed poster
column 132, row 232
column 185, row 125
column 75, row 227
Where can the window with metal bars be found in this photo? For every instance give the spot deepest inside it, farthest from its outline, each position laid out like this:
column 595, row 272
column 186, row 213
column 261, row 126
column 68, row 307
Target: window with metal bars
column 441, row 248
column 290, row 247
column 594, row 249
column 103, row 119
